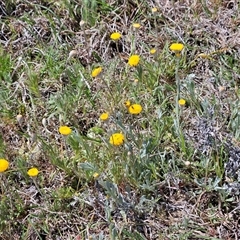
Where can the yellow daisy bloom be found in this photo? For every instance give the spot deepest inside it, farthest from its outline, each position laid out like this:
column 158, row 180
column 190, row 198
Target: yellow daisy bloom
column 181, row 102
column 136, row 25
column 32, row 172
column 4, row 164
column 115, row 36
column 104, row 116
column 176, row 47
column 96, row 71
column 135, row 109
column 154, row 10
column 65, row 130
column 153, row 50
column 133, row 60
column 127, row 103
column 116, row 139
column 96, row 175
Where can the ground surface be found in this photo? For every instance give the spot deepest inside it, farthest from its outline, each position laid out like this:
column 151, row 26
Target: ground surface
column 177, row 175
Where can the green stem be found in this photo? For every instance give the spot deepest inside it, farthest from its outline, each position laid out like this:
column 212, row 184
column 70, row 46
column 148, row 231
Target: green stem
column 2, row 180
column 178, row 95
column 36, row 185
column 66, row 147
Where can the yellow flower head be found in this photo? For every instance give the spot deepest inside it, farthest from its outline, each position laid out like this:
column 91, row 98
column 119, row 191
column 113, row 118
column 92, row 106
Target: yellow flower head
column 32, row 172
column 65, row 130
column 116, row 139
column 181, row 102
column 154, row 10
column 153, row 50
column 4, row 164
column 135, row 109
column 127, row 103
column 136, row 80
column 115, row 36
column 133, row 60
column 136, row 25
column 96, row 71
column 96, row 175
column 176, row 47
column 104, row 116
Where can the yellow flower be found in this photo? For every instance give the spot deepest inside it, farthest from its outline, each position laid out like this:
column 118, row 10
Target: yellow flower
column 104, row 116
column 116, row 139
column 115, row 36
column 181, row 102
column 176, row 47
column 65, row 130
column 32, row 172
column 154, row 10
column 127, row 103
column 96, row 175
column 96, row 71
column 152, row 51
column 135, row 109
column 4, row 164
column 136, row 25
column 133, row 60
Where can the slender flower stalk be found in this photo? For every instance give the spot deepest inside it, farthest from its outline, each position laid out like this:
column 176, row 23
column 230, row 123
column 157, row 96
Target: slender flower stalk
column 115, row 37
column 65, row 131
column 178, row 93
column 33, row 173
column 136, row 27
column 177, row 48
column 154, row 11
